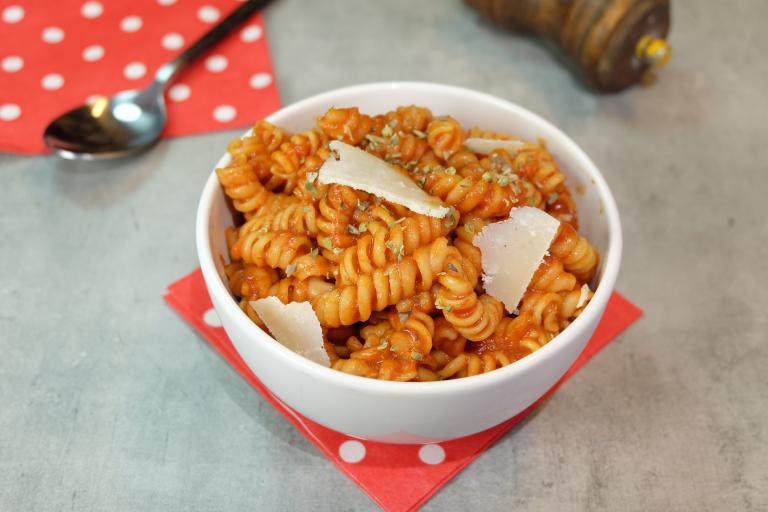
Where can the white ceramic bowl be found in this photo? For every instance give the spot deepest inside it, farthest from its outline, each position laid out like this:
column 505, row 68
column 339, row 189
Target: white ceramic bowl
column 416, row 412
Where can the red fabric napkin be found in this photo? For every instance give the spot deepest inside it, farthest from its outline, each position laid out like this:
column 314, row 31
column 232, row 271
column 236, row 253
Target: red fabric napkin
column 398, row 478
column 55, row 55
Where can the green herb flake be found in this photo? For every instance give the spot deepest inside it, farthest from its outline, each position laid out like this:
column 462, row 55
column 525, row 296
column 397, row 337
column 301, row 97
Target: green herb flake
column 450, row 171
column 552, row 198
column 420, row 134
column 309, row 185
column 337, row 250
column 452, row 267
column 314, row 252
column 403, row 317
column 375, row 140
column 363, row 227
column 352, row 230
column 422, row 181
column 503, row 180
column 416, row 356
column 383, row 345
column 487, row 177
column 387, row 131
column 470, row 228
column 362, row 205
column 326, row 242
column 290, row 269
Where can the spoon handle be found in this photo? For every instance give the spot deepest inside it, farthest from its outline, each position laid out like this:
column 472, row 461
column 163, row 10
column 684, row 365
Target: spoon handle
column 168, row 71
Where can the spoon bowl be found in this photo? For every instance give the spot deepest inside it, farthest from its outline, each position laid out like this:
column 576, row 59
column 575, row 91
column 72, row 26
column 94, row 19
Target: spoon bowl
column 123, row 124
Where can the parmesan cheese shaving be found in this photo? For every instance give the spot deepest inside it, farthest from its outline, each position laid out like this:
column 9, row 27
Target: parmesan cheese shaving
column 488, row 146
column 295, row 326
column 360, row 170
column 583, row 296
column 512, row 250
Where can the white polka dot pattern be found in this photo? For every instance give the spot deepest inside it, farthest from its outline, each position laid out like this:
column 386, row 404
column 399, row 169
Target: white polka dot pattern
column 431, row 454
column 9, row 112
column 211, row 318
column 179, row 92
column 208, row 14
column 131, row 24
column 216, row 63
column 52, row 35
column 250, row 34
column 91, row 10
column 12, row 64
column 93, row 53
column 224, row 113
column 134, row 70
column 13, row 14
column 52, row 81
column 352, row 451
column 260, row 80
column 172, row 41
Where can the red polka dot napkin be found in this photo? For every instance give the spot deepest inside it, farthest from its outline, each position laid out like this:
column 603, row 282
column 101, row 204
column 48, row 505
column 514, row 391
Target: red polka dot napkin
column 398, row 478
column 55, row 55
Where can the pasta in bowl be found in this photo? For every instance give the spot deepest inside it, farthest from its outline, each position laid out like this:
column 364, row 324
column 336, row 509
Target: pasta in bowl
column 402, row 295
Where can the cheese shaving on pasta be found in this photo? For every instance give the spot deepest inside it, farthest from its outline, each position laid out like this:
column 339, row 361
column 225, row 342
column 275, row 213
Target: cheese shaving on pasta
column 512, row 250
column 583, row 295
column 360, row 170
column 488, row 146
column 295, row 326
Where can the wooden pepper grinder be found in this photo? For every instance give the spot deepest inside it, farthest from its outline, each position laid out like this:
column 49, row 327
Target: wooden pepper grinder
column 616, row 43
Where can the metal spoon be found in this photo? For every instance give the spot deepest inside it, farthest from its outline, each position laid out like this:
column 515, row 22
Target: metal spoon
column 131, row 121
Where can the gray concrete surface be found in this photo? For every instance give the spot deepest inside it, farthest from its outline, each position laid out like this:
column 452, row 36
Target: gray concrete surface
column 108, row 401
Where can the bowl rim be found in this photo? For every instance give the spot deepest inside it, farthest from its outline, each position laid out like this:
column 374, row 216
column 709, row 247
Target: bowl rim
column 591, row 312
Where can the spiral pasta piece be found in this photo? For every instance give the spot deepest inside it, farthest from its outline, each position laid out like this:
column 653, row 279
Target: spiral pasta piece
column 277, row 249
column 536, row 164
column 409, row 119
column 577, row 254
column 242, row 185
column 545, row 307
column 469, row 194
column 288, row 215
column 394, row 355
column 291, row 156
column 474, row 317
column 336, row 211
column 291, row 289
column 345, row 124
column 552, row 277
column 388, row 243
column 445, row 136
column 348, row 304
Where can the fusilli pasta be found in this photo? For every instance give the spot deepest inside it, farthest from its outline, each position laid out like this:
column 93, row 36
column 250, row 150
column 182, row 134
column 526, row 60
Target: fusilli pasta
column 399, row 294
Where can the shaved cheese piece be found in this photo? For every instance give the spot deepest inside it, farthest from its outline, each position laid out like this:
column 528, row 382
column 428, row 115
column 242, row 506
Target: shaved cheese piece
column 362, row 171
column 583, row 296
column 295, row 326
column 488, row 146
column 512, row 250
